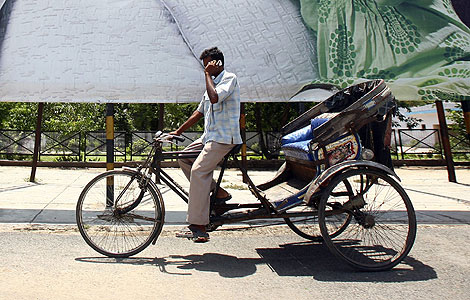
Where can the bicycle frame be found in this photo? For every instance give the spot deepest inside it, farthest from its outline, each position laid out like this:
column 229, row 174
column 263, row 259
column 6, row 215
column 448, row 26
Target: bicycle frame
column 262, row 210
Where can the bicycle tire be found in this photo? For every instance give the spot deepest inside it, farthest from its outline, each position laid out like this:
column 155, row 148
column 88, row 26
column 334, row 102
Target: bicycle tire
column 113, row 234
column 383, row 228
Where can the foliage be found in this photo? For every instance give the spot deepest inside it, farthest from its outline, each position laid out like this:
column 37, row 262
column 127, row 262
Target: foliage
column 81, row 117
column 411, row 122
column 19, row 116
column 272, row 116
column 61, row 117
column 176, row 114
column 459, row 138
column 77, row 117
column 458, row 119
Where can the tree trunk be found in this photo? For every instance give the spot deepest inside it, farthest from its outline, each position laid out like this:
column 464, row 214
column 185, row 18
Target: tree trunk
column 259, row 130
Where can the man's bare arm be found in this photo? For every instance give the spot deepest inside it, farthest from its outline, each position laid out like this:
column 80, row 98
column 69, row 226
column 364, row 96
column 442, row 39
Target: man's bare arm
column 210, row 88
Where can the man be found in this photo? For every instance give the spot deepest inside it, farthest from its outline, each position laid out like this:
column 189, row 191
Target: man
column 220, row 107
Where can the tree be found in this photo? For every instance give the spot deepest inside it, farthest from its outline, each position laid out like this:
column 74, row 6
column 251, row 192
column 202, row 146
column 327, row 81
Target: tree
column 271, row 117
column 459, row 138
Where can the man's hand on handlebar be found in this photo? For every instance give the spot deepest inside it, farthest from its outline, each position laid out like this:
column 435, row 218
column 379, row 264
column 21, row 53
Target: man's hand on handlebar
column 176, row 136
column 169, row 137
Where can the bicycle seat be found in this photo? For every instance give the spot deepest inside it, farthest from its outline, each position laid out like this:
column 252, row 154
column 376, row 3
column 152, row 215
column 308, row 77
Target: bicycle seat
column 235, row 149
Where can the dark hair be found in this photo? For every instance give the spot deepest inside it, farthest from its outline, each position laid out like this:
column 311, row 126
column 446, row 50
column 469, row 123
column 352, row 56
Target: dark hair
column 214, row 53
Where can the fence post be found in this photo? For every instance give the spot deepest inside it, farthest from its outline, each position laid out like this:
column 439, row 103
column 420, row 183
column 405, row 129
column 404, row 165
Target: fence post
column 445, row 141
column 243, row 134
column 37, row 142
column 161, row 115
column 401, row 144
column 109, row 153
column 466, row 116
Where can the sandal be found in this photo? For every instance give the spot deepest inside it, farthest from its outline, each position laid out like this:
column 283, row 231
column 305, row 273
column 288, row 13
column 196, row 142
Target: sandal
column 185, row 233
column 200, row 237
column 222, row 200
column 193, row 234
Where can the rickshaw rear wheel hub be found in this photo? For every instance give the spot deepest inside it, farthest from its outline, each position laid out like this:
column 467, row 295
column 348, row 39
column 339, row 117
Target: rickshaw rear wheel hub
column 368, row 221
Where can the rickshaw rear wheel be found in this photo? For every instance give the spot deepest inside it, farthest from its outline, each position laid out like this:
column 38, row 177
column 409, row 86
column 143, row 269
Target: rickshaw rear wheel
column 383, row 224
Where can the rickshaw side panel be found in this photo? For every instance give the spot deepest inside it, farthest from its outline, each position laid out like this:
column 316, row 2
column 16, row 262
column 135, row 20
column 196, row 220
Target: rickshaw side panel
column 303, row 170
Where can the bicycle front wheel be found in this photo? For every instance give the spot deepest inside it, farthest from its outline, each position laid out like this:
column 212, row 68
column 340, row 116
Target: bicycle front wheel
column 383, row 224
column 105, row 227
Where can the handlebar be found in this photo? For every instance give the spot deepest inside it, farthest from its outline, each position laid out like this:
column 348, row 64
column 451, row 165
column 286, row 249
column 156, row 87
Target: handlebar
column 165, row 137
column 178, row 138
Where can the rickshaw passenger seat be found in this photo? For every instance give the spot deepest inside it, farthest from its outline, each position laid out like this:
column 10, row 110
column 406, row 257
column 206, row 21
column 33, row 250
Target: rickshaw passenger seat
column 306, row 133
column 296, row 143
column 298, row 150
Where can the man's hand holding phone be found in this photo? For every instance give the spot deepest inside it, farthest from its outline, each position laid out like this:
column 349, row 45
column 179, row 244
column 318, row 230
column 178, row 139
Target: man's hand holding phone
column 213, row 67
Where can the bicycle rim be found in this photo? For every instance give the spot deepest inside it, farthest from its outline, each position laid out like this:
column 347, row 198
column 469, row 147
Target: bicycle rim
column 383, row 225
column 113, row 234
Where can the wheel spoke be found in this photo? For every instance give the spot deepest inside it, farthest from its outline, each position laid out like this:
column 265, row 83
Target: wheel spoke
column 112, row 233
column 384, row 224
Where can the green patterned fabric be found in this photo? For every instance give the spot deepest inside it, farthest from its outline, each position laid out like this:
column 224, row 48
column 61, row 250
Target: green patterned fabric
column 420, row 47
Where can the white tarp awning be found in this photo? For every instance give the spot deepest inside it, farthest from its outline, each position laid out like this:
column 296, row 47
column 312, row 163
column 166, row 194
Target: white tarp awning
column 147, row 50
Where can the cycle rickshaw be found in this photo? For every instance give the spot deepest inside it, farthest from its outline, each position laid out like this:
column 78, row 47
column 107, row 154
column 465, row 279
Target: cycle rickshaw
column 338, row 192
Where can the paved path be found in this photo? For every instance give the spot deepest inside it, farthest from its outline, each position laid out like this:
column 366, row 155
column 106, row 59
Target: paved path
column 266, row 263
column 52, row 199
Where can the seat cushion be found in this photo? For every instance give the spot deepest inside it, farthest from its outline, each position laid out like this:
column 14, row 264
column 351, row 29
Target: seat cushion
column 303, row 134
column 298, row 150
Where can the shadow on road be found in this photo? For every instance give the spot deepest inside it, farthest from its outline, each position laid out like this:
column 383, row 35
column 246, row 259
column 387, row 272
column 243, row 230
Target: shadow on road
column 299, row 259
column 19, row 187
column 309, row 259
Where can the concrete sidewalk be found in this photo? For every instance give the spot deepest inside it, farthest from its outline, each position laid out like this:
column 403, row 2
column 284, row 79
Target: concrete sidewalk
column 52, row 199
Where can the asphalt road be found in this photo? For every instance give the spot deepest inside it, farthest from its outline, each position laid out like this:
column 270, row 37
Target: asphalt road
column 38, row 262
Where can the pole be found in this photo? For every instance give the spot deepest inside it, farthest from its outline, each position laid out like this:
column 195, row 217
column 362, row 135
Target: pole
column 243, row 134
column 161, row 125
column 161, row 114
column 37, row 142
column 445, row 141
column 109, row 153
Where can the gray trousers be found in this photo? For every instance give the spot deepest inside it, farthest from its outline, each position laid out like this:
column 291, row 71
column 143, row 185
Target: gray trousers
column 199, row 172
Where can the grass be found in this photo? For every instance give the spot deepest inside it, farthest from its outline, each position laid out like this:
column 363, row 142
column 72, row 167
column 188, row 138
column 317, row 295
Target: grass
column 234, row 186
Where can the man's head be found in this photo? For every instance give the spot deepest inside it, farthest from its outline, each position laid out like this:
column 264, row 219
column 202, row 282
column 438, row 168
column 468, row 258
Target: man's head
column 212, row 54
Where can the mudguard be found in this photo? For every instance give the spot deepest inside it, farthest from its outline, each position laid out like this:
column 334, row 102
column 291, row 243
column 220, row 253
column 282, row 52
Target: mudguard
column 341, row 167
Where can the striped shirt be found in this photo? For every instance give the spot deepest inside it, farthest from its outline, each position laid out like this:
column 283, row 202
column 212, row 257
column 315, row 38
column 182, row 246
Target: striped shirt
column 222, row 119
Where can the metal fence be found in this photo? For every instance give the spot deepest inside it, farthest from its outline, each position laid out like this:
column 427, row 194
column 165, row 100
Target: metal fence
column 15, row 144
column 427, row 144
column 95, row 145
column 130, row 146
